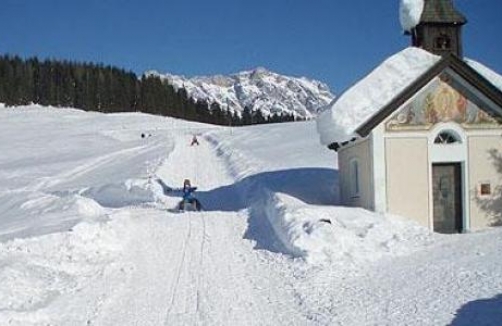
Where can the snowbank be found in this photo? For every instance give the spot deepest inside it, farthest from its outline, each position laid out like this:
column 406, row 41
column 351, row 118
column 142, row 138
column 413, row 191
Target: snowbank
column 340, row 121
column 239, row 164
column 318, row 234
column 410, row 12
column 36, row 213
column 35, row 272
column 340, row 234
column 128, row 193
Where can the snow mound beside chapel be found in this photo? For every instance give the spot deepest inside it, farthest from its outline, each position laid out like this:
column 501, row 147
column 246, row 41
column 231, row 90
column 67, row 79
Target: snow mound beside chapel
column 326, row 234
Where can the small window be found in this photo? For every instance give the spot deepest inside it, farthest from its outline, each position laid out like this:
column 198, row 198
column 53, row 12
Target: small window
column 446, row 137
column 354, row 173
column 443, row 42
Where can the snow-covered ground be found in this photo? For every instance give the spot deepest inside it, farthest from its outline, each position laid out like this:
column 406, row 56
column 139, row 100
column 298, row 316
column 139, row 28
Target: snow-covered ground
column 89, row 236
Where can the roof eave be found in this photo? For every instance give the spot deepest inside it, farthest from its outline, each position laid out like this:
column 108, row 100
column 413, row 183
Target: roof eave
column 448, row 60
column 401, row 98
column 335, row 146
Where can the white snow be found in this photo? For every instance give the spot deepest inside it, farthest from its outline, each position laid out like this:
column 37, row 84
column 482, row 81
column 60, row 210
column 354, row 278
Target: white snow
column 486, row 72
column 359, row 103
column 341, row 119
column 410, row 12
column 88, row 235
column 321, row 234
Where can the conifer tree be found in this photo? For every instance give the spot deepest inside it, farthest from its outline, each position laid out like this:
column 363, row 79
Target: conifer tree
column 95, row 87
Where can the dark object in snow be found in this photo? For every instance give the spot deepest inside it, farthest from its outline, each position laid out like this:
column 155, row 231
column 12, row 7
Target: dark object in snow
column 190, row 205
column 189, row 200
column 325, row 220
column 194, row 141
column 143, row 135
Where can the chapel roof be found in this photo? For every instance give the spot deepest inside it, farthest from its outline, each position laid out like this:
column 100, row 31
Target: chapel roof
column 441, row 11
column 356, row 112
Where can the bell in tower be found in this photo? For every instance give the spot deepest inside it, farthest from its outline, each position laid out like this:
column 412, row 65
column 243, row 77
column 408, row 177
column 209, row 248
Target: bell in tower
column 439, row 29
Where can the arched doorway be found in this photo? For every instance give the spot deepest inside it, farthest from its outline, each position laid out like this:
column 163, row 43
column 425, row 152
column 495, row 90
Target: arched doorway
column 448, row 157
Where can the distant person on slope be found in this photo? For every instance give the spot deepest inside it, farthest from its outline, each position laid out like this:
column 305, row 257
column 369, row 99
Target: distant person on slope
column 194, row 141
column 188, row 197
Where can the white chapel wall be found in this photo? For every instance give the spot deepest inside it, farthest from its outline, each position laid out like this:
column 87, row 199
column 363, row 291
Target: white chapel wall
column 408, row 178
column 485, row 156
column 359, row 152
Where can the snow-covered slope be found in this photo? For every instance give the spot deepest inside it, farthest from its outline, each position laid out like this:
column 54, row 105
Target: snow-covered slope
column 258, row 89
column 88, row 234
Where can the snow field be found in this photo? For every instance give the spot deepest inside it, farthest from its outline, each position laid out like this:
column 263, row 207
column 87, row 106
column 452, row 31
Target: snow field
column 60, row 184
column 70, row 161
column 194, row 268
column 88, row 235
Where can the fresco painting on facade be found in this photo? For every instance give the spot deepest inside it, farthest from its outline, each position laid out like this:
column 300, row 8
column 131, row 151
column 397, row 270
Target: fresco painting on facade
column 439, row 103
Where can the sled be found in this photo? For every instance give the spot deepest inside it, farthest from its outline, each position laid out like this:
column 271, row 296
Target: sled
column 189, row 206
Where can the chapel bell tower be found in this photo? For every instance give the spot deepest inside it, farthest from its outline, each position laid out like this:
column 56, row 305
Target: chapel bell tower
column 440, row 28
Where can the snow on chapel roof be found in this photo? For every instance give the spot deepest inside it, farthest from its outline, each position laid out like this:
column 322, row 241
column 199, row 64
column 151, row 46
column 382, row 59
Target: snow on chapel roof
column 339, row 122
column 410, row 12
column 486, row 72
column 343, row 117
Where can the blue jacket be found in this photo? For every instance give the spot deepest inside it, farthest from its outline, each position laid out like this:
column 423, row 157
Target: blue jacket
column 187, row 193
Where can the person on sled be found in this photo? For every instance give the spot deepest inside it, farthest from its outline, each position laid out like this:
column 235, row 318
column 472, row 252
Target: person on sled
column 194, row 141
column 188, row 197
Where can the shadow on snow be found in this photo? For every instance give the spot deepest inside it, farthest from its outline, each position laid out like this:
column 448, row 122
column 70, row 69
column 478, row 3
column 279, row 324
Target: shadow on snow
column 480, row 312
column 315, row 186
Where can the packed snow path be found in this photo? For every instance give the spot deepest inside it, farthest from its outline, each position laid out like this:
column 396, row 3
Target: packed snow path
column 195, row 268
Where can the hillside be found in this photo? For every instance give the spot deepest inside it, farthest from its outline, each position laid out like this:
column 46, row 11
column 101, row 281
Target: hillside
column 90, row 234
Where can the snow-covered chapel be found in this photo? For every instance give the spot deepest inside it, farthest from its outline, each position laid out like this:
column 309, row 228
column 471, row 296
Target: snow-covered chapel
column 421, row 135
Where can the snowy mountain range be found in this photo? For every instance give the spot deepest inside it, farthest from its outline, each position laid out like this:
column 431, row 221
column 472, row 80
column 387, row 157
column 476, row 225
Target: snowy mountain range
column 258, row 89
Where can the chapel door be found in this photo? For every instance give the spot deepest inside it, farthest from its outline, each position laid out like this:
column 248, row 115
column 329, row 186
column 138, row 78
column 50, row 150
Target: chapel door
column 446, row 179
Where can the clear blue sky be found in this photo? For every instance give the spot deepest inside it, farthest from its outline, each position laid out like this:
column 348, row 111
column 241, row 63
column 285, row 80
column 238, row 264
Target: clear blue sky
column 335, row 41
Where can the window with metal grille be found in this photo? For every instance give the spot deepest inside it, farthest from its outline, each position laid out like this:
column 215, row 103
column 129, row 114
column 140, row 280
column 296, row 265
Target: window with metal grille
column 443, row 42
column 446, row 137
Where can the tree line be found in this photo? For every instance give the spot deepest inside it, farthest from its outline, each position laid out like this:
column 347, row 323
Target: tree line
column 96, row 87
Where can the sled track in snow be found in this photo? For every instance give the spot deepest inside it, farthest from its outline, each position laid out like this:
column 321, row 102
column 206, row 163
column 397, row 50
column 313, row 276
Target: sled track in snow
column 183, row 267
column 179, row 270
column 201, row 263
